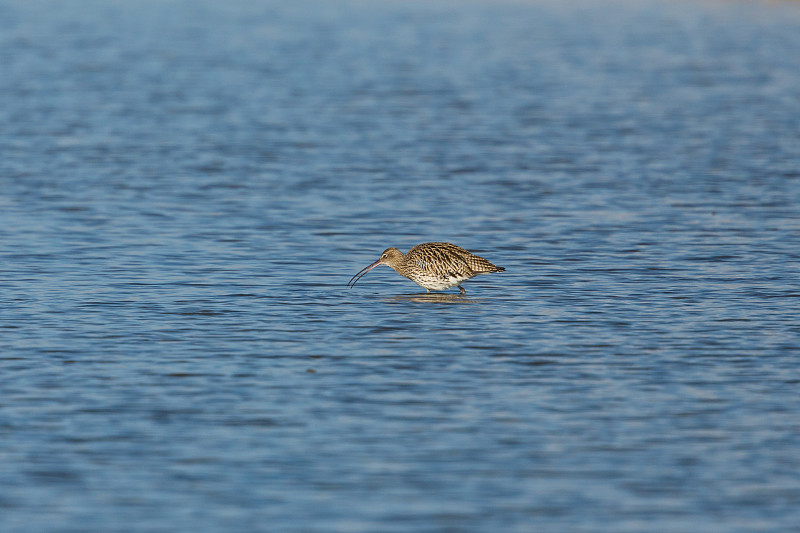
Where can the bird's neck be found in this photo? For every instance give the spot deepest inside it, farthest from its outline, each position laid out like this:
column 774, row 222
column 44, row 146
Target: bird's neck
column 400, row 267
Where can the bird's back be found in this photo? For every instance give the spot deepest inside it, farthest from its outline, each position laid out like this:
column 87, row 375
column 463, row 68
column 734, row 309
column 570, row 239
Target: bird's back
column 443, row 258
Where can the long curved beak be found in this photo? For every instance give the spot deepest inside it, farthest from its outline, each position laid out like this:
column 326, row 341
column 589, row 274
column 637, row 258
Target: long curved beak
column 361, row 272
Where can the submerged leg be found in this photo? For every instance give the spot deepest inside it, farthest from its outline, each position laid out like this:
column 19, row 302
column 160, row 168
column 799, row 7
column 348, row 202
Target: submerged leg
column 462, row 289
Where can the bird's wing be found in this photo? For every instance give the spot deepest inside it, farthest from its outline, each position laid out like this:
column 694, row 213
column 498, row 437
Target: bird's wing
column 440, row 261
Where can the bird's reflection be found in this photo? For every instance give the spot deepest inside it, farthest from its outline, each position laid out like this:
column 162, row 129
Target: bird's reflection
column 433, row 297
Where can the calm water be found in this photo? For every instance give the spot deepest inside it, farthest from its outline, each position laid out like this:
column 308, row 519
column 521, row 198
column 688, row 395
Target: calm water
column 187, row 186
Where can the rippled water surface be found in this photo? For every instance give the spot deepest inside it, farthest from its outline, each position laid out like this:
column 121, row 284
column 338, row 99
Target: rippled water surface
column 187, row 186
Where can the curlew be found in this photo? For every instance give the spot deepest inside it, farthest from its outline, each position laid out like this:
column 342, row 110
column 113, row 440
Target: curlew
column 433, row 265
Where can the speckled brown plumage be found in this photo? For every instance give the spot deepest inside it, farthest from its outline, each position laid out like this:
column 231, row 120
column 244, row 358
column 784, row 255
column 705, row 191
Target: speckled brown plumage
column 433, row 265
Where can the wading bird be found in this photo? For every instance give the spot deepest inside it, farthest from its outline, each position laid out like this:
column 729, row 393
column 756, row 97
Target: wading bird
column 433, row 265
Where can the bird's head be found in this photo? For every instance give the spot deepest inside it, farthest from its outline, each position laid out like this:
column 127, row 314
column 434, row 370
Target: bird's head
column 390, row 257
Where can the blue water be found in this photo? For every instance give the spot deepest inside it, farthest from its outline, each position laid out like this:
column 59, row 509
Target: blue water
column 187, row 186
